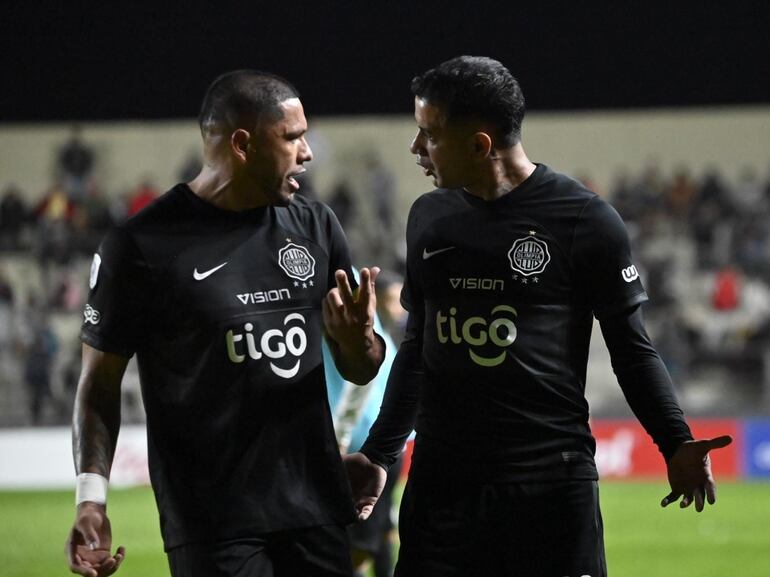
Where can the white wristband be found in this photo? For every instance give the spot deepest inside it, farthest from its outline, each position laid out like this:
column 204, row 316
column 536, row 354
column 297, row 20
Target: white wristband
column 91, row 487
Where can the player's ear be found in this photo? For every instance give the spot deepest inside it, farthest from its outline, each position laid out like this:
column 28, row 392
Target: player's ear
column 239, row 144
column 482, row 144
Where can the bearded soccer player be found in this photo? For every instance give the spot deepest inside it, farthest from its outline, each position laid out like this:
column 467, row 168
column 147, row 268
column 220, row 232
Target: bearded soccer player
column 220, row 288
column 508, row 262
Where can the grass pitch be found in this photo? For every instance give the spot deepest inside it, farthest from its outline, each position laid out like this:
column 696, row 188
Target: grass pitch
column 731, row 539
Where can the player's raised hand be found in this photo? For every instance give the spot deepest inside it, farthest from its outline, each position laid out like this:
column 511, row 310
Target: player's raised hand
column 89, row 542
column 366, row 480
column 347, row 316
column 689, row 473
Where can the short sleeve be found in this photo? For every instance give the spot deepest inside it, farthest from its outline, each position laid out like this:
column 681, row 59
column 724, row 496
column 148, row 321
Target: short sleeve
column 113, row 318
column 607, row 279
column 411, row 293
column 339, row 251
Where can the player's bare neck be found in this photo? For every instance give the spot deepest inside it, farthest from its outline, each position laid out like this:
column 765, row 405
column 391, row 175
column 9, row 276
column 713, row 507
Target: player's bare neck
column 216, row 186
column 506, row 171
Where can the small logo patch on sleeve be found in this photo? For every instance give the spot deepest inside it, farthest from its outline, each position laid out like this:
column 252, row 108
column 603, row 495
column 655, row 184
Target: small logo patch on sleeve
column 630, row 274
column 91, row 315
column 95, row 264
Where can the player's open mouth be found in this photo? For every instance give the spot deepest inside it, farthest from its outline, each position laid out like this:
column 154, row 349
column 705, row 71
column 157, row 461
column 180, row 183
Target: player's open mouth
column 293, row 183
column 427, row 168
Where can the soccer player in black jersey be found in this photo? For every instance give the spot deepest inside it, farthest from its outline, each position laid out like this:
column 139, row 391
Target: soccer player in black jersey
column 507, row 264
column 222, row 288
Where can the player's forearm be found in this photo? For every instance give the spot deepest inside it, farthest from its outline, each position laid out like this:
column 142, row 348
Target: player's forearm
column 96, row 418
column 359, row 361
column 398, row 413
column 645, row 381
column 96, row 423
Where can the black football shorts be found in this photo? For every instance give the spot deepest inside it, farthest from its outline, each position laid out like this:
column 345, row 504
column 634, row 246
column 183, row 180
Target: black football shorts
column 545, row 529
column 312, row 552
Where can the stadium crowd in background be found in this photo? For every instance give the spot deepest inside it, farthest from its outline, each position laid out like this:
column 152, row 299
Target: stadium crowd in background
column 696, row 237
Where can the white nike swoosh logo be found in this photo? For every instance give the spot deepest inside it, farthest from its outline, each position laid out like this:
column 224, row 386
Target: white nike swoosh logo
column 426, row 255
column 201, row 275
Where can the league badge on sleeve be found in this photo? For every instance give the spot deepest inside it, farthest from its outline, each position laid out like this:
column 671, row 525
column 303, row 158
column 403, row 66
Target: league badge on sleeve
column 529, row 255
column 91, row 315
column 95, row 264
column 296, row 261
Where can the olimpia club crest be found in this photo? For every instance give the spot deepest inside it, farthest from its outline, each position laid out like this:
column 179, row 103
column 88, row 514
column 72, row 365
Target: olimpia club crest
column 529, row 255
column 296, row 261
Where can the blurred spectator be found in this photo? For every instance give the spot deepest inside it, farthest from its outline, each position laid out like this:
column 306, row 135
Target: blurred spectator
column 13, row 217
column 343, row 203
column 91, row 220
column 54, row 231
column 649, row 188
column 392, row 314
column 749, row 194
column 118, row 207
column 711, row 218
column 75, row 163
column 726, row 293
column 380, row 190
column 624, row 197
column 142, row 196
column 66, row 292
column 40, row 353
column 6, row 312
column 680, row 195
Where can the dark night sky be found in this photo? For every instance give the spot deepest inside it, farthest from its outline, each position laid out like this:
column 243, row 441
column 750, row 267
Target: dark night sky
column 125, row 61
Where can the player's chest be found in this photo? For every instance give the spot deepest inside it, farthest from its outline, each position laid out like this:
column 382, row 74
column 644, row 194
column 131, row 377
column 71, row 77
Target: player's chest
column 222, row 278
column 517, row 258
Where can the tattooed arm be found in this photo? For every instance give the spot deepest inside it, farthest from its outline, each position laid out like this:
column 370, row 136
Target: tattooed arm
column 96, row 423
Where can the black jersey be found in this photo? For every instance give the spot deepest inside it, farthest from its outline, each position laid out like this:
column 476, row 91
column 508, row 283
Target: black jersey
column 223, row 312
column 505, row 293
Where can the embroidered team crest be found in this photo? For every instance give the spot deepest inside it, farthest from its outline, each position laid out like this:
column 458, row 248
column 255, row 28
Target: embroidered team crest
column 529, row 255
column 296, row 261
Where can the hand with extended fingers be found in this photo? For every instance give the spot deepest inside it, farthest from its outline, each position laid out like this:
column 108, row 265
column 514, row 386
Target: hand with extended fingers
column 349, row 319
column 689, row 473
column 349, row 316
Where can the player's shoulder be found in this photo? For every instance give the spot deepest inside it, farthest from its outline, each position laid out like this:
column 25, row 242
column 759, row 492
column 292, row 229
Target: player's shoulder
column 305, row 212
column 167, row 208
column 148, row 230
column 436, row 204
column 563, row 186
column 306, row 209
column 439, row 197
column 308, row 218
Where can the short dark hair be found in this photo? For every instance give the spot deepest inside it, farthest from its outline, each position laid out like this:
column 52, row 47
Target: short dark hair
column 475, row 87
column 244, row 98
